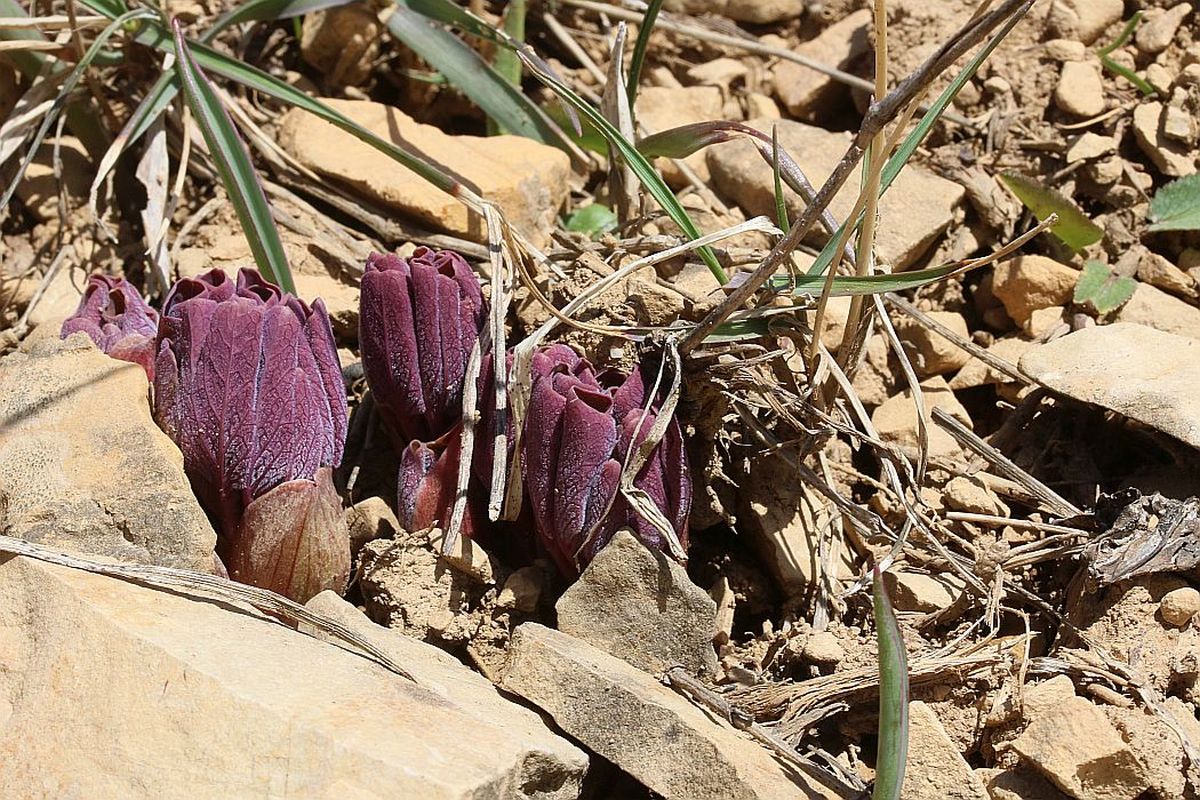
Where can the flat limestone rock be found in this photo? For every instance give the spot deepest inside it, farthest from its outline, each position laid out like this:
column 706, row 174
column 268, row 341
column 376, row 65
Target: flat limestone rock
column 116, row 690
column 645, row 728
column 640, row 605
column 527, row 179
column 914, row 212
column 1146, row 375
column 936, row 770
column 83, row 466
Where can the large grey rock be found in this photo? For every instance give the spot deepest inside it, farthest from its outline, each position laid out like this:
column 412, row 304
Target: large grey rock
column 84, row 467
column 1142, row 373
column 645, row 728
column 915, row 211
column 640, row 605
column 110, row 689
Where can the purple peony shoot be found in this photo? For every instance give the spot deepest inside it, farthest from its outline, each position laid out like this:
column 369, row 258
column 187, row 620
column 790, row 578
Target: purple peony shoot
column 419, row 319
column 248, row 385
column 113, row 313
column 577, row 435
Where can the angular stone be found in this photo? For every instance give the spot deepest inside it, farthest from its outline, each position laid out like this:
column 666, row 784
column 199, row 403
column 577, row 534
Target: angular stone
column 1028, row 283
column 932, row 353
column 1078, row 749
column 639, row 605
column 341, row 43
column 660, row 108
column 896, row 419
column 1141, row 373
column 763, row 12
column 977, row 373
column 527, row 179
column 914, row 591
column 656, row 735
column 1156, row 309
column 783, row 520
column 936, row 770
column 914, row 212
column 806, row 92
column 1083, row 20
column 134, row 692
column 1155, row 34
column 83, row 466
column 1080, row 89
column 1172, row 158
column 1090, row 145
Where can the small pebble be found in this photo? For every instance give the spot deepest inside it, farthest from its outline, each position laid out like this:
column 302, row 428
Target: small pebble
column 1179, row 606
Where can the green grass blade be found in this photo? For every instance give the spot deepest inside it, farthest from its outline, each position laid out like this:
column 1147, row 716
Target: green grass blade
column 267, row 10
column 64, row 96
column 233, row 163
column 212, row 61
column 899, row 159
column 893, row 696
column 638, row 59
column 850, row 285
column 469, row 73
column 646, row 174
column 781, row 214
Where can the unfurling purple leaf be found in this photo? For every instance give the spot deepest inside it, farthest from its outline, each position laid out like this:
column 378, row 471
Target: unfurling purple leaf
column 426, row 484
column 114, row 315
column 419, row 319
column 248, row 385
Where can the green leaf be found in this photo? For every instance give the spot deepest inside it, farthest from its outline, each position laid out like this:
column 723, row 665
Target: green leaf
column 847, row 285
column 684, row 140
column 505, row 62
column 155, row 35
column 233, row 163
column 646, row 174
column 593, row 220
column 639, row 49
column 1101, row 289
column 465, row 70
column 893, row 696
column 267, row 10
column 1176, row 206
column 781, row 214
column 1073, row 228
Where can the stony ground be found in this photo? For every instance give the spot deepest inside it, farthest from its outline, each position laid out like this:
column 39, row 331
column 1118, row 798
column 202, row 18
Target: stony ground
column 1047, row 587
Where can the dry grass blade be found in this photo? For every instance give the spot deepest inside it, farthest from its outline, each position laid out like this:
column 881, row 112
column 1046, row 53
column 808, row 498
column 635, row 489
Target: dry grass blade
column 214, row 588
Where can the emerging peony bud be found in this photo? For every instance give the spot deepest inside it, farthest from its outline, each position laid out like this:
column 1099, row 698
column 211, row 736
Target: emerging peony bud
column 247, row 384
column 577, row 436
column 419, row 319
column 113, row 313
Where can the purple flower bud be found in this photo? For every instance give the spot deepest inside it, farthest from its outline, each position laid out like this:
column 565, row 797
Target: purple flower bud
column 248, row 385
column 571, row 477
column 426, row 484
column 113, row 313
column 665, row 477
column 419, row 319
column 577, row 437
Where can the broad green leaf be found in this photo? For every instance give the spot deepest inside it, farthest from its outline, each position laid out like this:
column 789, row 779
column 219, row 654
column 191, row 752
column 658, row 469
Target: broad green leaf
column 1101, row 289
column 899, row 159
column 505, row 62
column 1176, row 206
column 233, row 163
column 593, row 220
column 1073, row 228
column 465, row 70
column 893, row 696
